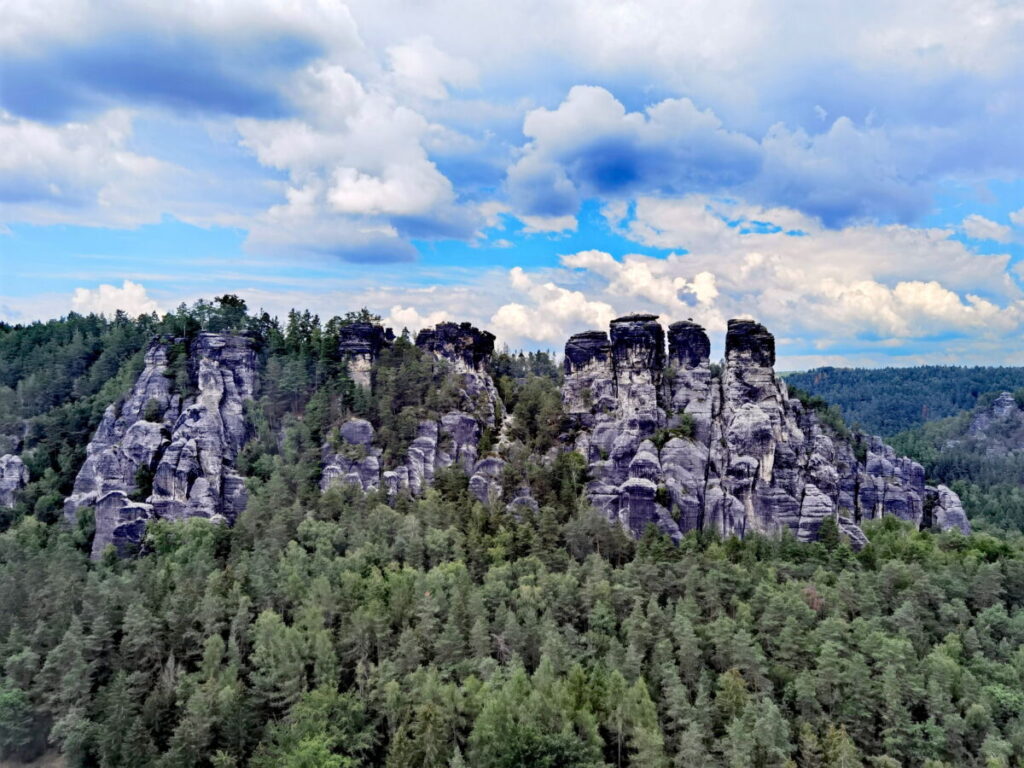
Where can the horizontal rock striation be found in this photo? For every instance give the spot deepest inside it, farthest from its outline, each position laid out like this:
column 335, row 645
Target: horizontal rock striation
column 186, row 450
column 13, row 477
column 669, row 444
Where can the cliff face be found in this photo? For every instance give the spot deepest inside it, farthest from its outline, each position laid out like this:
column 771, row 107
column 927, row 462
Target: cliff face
column 188, row 449
column 668, row 443
column 667, row 438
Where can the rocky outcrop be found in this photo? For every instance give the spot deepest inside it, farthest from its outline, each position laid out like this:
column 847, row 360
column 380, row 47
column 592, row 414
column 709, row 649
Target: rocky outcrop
column 667, row 443
column 186, row 450
column 13, row 477
column 458, row 342
column 465, row 350
column 945, row 510
column 358, row 461
column 359, row 345
column 124, row 450
column 461, row 352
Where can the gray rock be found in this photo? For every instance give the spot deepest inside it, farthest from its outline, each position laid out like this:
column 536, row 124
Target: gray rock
column 756, row 461
column 362, row 471
column 360, row 345
column 13, row 477
column 123, row 443
column 485, row 482
column 858, row 540
column 522, row 504
column 357, row 432
column 191, row 447
column 195, row 476
column 814, row 509
column 464, row 433
column 947, row 511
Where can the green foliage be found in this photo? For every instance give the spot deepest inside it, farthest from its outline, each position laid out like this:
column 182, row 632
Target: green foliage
column 987, row 472
column 330, row 629
column 684, row 430
column 333, row 629
column 829, row 415
column 885, row 401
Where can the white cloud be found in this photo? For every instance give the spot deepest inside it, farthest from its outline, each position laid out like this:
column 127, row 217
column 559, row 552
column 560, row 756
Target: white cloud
column 81, row 173
column 408, row 317
column 422, row 67
column 108, row 299
column 533, row 224
column 867, row 286
column 1017, row 218
column 979, row 228
column 590, row 145
column 357, row 166
column 553, row 313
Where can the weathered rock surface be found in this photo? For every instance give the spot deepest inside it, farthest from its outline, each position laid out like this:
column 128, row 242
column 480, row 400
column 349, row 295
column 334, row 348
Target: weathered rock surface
column 360, row 344
column 946, row 510
column 358, row 463
column 737, row 454
column 466, row 350
column 13, row 477
column 130, row 438
column 188, row 448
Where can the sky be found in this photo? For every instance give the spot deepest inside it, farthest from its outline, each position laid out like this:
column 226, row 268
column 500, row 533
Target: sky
column 849, row 174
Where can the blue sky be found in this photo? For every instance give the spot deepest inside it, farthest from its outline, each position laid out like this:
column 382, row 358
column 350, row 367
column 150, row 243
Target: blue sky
column 852, row 175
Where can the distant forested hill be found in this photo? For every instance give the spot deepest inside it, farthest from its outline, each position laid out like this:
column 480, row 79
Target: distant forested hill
column 980, row 454
column 885, row 401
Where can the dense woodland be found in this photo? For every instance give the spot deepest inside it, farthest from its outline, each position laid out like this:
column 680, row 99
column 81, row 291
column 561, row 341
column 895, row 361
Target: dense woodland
column 988, row 477
column 331, row 630
column 884, row 401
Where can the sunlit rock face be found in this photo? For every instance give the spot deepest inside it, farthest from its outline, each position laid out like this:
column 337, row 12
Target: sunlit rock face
column 187, row 448
column 13, row 477
column 670, row 443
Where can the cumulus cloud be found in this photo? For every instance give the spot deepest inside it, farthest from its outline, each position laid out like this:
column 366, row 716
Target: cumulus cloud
column 870, row 286
column 591, row 146
column 552, row 310
column 360, row 178
column 980, row 228
column 108, row 299
column 426, row 70
column 1017, row 218
column 409, row 317
column 65, row 57
column 76, row 172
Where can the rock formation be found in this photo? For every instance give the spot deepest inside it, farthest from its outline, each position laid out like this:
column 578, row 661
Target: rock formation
column 360, row 344
column 668, row 443
column 187, row 449
column 13, row 477
column 463, row 352
column 668, row 439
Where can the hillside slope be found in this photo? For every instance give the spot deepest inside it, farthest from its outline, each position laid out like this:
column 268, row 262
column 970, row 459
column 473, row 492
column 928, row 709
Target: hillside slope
column 885, row 401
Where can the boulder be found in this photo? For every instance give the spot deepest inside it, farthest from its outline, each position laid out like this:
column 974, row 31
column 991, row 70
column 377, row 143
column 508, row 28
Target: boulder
column 357, row 432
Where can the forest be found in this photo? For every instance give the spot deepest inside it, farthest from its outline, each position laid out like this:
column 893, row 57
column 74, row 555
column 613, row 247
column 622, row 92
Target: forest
column 884, row 401
column 335, row 630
